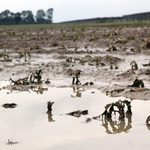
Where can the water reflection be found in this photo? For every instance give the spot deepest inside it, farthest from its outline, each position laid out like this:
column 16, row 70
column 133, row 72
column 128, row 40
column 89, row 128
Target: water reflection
column 39, row 90
column 119, row 125
column 25, row 88
column 78, row 93
column 114, row 127
column 49, row 111
column 50, row 119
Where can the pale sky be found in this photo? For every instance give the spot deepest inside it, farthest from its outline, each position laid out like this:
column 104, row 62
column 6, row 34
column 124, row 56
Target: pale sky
column 66, row 10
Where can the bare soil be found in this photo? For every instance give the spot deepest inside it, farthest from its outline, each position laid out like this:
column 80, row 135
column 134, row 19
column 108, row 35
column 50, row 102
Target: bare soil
column 101, row 54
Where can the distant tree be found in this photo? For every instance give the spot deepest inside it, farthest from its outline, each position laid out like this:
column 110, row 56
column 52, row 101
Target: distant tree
column 12, row 18
column 5, row 17
column 5, row 14
column 17, row 18
column 40, row 16
column 49, row 14
column 27, row 17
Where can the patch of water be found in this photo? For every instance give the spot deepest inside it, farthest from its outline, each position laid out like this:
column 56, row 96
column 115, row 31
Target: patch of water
column 32, row 127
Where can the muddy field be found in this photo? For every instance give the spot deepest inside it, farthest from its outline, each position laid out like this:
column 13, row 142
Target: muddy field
column 81, row 70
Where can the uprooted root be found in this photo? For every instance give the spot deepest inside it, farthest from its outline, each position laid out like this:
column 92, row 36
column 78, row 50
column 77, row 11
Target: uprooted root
column 75, row 79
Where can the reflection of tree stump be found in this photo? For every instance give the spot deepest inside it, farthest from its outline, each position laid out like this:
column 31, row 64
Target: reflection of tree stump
column 49, row 111
column 117, row 127
column 50, row 119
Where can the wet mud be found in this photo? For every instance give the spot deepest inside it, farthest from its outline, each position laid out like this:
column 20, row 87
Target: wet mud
column 74, row 78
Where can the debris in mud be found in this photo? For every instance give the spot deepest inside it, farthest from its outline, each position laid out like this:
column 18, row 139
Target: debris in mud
column 118, row 91
column 127, row 73
column 49, row 105
column 147, row 44
column 25, row 54
column 115, row 66
column 47, row 81
column 78, row 113
column 138, row 83
column 110, row 108
column 36, row 76
column 134, row 65
column 146, row 72
column 22, row 81
column 88, row 83
column 69, row 59
column 9, row 105
column 111, row 59
column 4, row 57
column 136, row 49
column 112, row 48
column 75, row 79
column 113, row 108
column 54, row 44
column 145, row 65
column 120, row 40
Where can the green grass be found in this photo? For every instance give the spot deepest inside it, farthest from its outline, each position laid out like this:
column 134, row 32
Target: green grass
column 66, row 25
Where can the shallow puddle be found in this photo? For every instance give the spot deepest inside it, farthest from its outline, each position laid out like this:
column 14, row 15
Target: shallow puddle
column 33, row 128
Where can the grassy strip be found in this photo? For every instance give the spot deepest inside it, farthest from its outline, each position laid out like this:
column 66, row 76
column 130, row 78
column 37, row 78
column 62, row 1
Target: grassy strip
column 109, row 24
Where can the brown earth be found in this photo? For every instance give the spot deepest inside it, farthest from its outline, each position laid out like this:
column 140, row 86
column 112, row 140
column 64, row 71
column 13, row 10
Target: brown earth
column 102, row 54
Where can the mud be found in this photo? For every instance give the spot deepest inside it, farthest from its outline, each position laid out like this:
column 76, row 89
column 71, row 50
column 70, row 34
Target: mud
column 102, row 54
column 56, row 82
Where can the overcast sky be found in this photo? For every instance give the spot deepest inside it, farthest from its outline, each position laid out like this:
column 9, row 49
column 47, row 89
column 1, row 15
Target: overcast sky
column 65, row 10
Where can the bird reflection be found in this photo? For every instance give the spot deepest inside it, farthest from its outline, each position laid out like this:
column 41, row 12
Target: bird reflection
column 117, row 126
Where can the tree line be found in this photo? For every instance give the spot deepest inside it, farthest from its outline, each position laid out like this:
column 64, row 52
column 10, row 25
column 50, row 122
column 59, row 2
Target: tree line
column 26, row 17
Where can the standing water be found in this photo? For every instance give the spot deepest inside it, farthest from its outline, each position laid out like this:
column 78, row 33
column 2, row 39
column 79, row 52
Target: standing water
column 30, row 126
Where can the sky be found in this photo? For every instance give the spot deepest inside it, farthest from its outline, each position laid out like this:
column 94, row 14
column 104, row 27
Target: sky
column 67, row 10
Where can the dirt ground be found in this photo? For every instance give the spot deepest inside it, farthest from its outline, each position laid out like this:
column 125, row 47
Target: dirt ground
column 100, row 57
